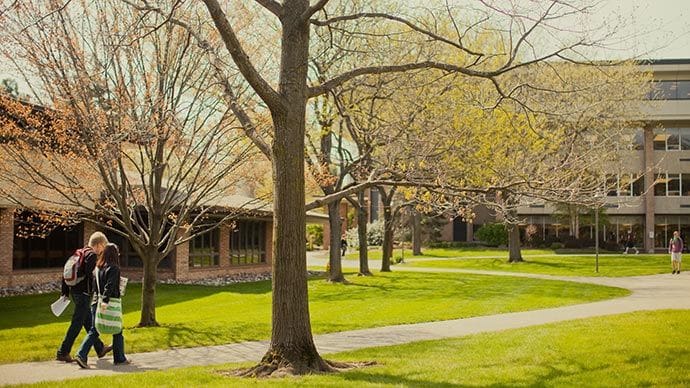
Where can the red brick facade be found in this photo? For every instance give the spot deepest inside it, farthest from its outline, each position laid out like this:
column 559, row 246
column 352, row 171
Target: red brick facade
column 180, row 269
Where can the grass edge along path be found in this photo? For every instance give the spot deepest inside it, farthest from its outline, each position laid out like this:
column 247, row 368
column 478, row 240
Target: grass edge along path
column 201, row 316
column 612, row 265
column 632, row 349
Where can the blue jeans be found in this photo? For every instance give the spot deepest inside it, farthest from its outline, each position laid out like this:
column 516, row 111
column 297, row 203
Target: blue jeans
column 81, row 317
column 93, row 338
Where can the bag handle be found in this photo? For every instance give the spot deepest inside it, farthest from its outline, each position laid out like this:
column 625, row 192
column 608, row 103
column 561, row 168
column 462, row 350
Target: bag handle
column 98, row 283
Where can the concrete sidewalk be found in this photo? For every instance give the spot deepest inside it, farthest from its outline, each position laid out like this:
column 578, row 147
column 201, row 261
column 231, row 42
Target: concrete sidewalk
column 648, row 293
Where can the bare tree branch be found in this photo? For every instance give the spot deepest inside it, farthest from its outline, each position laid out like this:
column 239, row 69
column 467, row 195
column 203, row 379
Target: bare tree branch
column 272, row 6
column 234, row 47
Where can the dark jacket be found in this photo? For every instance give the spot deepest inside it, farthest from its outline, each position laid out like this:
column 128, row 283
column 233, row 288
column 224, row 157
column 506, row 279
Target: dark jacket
column 109, row 280
column 84, row 286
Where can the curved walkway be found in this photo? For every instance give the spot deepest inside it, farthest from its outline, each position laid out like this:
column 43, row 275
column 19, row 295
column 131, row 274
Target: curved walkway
column 648, row 293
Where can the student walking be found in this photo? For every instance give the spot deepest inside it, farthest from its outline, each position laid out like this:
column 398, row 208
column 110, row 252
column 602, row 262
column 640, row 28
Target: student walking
column 81, row 293
column 675, row 247
column 107, row 285
column 630, row 244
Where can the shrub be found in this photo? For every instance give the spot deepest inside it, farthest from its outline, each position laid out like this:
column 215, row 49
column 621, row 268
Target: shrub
column 315, row 234
column 556, row 245
column 374, row 235
column 493, row 235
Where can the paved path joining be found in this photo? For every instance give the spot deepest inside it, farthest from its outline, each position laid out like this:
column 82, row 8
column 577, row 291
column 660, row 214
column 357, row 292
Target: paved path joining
column 648, row 293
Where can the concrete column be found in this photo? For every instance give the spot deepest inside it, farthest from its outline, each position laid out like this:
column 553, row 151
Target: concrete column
column 181, row 259
column 6, row 245
column 269, row 242
column 649, row 189
column 224, row 248
column 470, row 231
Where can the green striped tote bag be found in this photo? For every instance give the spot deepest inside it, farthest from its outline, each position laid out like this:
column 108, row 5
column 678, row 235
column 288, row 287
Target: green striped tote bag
column 109, row 321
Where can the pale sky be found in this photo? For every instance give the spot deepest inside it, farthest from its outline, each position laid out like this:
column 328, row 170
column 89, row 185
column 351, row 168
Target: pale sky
column 661, row 27
column 655, row 29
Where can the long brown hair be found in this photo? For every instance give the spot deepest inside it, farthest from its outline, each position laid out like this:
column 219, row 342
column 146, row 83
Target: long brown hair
column 109, row 256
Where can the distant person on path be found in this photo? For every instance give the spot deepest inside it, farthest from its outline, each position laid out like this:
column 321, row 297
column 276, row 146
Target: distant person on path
column 630, row 244
column 343, row 246
column 108, row 272
column 675, row 247
column 81, row 296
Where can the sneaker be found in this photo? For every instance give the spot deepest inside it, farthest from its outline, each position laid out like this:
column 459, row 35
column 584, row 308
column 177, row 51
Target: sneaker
column 106, row 350
column 82, row 363
column 125, row 362
column 64, row 357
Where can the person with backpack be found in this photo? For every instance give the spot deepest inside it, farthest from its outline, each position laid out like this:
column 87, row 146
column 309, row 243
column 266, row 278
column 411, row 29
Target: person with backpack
column 107, row 285
column 76, row 281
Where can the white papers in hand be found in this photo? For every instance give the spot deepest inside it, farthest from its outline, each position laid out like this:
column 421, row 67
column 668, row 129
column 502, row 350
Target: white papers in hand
column 59, row 306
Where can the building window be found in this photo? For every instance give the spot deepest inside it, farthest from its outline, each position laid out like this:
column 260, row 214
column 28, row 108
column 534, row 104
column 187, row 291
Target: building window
column 129, row 258
column 670, row 90
column 624, row 185
column 672, row 139
column 49, row 252
column 672, row 185
column 248, row 243
column 204, row 249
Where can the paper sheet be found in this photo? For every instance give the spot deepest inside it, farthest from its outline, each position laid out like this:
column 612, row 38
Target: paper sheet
column 59, row 306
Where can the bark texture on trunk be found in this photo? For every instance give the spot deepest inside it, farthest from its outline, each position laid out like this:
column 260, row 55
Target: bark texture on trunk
column 335, row 273
column 362, row 234
column 416, row 233
column 514, row 252
column 387, row 254
column 148, row 290
column 292, row 349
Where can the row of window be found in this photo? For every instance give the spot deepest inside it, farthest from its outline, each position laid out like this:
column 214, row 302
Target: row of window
column 672, row 139
column 632, row 185
column 672, row 185
column 670, row 90
column 624, row 185
column 247, row 246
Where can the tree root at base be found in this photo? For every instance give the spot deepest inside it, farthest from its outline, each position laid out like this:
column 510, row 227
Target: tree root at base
column 276, row 370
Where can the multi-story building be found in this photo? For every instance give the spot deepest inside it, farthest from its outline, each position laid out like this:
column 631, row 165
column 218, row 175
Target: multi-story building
column 651, row 198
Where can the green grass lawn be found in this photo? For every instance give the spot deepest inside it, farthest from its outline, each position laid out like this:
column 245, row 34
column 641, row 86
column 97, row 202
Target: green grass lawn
column 375, row 254
column 567, row 265
column 630, row 350
column 198, row 315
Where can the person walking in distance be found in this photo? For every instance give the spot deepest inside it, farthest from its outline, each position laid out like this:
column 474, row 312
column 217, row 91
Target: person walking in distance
column 675, row 247
column 81, row 294
column 630, row 244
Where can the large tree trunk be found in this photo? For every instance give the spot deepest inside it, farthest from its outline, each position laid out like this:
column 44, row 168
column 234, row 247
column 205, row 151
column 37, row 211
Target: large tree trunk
column 362, row 234
column 514, row 253
column 292, row 349
column 150, row 259
column 335, row 273
column 416, row 233
column 388, row 229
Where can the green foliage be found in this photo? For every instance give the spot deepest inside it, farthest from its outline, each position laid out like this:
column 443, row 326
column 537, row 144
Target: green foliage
column 189, row 315
column 556, row 245
column 315, row 234
column 635, row 349
column 493, row 235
